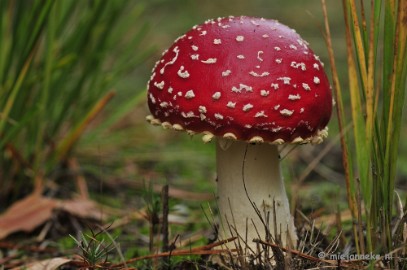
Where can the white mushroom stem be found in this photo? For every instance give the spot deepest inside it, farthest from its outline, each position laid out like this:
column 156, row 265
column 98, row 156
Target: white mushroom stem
column 250, row 175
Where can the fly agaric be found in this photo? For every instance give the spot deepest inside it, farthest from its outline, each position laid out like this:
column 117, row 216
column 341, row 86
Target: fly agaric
column 252, row 84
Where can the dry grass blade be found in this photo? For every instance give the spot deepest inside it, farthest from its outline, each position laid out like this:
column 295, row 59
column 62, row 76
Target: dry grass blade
column 68, row 142
column 346, row 157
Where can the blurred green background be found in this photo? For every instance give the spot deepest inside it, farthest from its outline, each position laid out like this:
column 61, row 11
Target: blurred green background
column 118, row 147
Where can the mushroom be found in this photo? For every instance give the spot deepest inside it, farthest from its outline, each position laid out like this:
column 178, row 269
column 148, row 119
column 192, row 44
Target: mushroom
column 252, row 84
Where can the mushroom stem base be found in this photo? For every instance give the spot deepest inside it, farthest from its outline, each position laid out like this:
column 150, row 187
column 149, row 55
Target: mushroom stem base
column 252, row 199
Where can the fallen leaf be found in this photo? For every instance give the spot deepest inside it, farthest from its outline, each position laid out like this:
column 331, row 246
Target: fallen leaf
column 26, row 215
column 34, row 210
column 49, row 264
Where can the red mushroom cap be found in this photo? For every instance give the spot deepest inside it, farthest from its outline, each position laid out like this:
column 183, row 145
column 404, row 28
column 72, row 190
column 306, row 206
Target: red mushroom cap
column 243, row 78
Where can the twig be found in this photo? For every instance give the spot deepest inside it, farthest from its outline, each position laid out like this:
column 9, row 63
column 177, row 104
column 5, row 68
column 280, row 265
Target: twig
column 344, row 263
column 203, row 250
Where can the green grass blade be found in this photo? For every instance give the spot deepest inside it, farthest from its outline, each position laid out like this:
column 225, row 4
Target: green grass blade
column 14, row 92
